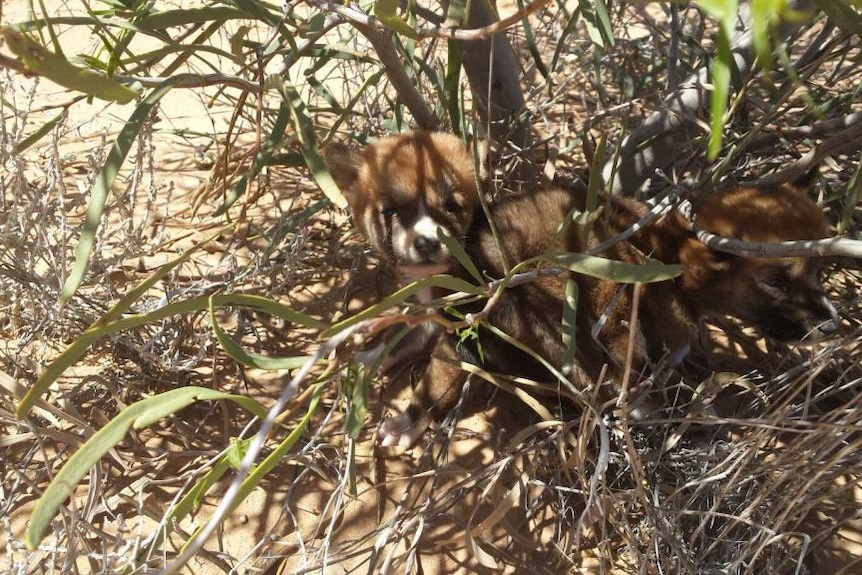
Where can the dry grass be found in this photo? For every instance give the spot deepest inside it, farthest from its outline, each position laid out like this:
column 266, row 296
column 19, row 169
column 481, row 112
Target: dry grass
column 757, row 468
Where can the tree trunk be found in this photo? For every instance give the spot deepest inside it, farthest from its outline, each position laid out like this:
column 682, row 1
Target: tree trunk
column 657, row 141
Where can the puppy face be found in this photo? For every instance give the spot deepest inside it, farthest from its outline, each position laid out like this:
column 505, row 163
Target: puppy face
column 402, row 190
column 783, row 297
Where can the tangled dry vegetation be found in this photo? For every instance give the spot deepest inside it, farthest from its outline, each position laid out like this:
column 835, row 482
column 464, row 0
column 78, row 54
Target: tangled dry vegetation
column 758, row 470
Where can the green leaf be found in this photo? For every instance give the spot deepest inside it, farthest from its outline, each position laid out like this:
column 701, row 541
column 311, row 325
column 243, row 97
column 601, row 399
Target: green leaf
column 250, row 358
column 561, row 42
column 457, row 250
column 171, row 18
column 310, row 149
column 721, row 72
column 237, row 451
column 111, row 323
column 444, row 281
column 78, row 347
column 605, row 22
column 39, row 133
column 763, row 13
column 56, row 68
column 615, row 270
column 387, row 12
column 451, row 85
column 137, row 416
column 258, row 472
column 570, row 314
column 456, row 14
column 531, row 42
column 103, row 183
column 597, row 22
column 358, row 410
column 725, row 11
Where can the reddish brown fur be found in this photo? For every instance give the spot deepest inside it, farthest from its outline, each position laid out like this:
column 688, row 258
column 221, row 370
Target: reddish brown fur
column 782, row 297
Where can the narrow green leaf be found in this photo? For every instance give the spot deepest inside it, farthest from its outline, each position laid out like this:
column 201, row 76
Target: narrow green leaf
column 531, row 43
column 604, row 19
column 456, row 14
column 721, row 71
column 387, row 12
column 56, row 68
column 597, row 26
column 615, row 270
column 350, row 108
column 444, row 281
column 259, row 471
column 78, row 347
column 111, row 323
column 103, row 183
column 457, row 250
column 237, row 451
column 762, row 15
column 451, row 85
column 358, row 411
column 310, row 149
column 250, row 358
column 269, row 306
column 39, row 133
column 567, row 31
column 137, row 416
column 170, row 18
column 570, row 314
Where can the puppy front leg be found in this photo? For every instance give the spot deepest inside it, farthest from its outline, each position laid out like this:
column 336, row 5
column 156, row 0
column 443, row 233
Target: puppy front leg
column 434, row 396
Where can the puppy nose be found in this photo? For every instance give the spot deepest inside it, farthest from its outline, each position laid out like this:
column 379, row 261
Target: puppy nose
column 425, row 245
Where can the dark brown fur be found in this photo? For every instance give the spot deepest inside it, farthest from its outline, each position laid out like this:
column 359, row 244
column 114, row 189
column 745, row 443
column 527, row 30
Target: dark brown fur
column 398, row 179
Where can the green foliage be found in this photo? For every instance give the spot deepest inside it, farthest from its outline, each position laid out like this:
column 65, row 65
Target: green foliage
column 614, row 270
column 387, row 12
column 724, row 11
column 43, row 62
column 103, row 183
column 136, row 416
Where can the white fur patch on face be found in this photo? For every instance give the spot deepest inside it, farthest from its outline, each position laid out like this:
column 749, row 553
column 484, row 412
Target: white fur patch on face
column 412, row 263
column 426, row 226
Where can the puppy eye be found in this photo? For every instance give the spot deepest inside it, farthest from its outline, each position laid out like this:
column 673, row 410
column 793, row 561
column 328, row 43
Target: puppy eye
column 776, row 283
column 388, row 212
column 452, row 207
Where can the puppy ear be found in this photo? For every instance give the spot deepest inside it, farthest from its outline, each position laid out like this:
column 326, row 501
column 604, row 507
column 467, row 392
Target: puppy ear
column 343, row 163
column 804, row 182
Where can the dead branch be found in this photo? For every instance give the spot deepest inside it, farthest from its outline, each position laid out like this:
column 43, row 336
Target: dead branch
column 381, row 40
column 798, row 248
column 655, row 143
column 815, row 130
column 847, row 140
column 425, row 32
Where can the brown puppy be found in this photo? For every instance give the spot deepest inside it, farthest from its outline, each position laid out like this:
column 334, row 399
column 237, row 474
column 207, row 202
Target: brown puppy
column 403, row 188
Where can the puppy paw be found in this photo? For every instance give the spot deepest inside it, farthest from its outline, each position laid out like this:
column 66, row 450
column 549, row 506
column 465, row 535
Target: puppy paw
column 402, row 431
